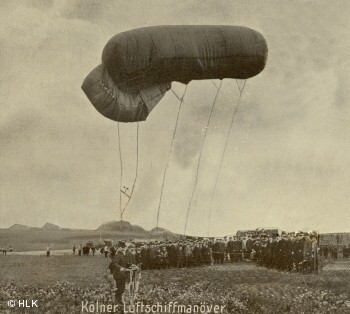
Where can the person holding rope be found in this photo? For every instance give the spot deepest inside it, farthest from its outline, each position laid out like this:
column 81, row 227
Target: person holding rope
column 133, row 280
column 118, row 268
column 125, row 272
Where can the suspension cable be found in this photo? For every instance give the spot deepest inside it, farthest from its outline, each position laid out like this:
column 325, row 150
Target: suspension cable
column 224, row 151
column 171, row 150
column 121, row 173
column 136, row 171
column 200, row 156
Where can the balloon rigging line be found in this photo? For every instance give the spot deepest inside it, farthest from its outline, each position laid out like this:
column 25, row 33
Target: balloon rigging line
column 214, row 84
column 121, row 173
column 224, row 151
column 122, row 209
column 176, row 95
column 112, row 93
column 200, row 156
column 171, row 150
column 239, row 87
column 136, row 172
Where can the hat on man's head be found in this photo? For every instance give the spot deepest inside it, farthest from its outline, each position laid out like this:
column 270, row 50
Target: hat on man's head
column 122, row 244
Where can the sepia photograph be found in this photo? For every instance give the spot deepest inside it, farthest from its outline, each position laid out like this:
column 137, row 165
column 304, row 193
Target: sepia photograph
column 175, row 156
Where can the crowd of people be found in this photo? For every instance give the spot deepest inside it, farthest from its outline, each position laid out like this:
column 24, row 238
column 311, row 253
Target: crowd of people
column 288, row 252
column 296, row 252
column 284, row 252
column 332, row 251
column 85, row 249
column 299, row 252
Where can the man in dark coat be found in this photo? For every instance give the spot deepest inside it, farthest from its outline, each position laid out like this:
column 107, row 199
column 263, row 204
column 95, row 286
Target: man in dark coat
column 118, row 268
column 172, row 255
column 325, row 251
column 144, row 257
column 152, row 256
column 298, row 250
column 222, row 251
column 287, row 253
column 180, row 256
column 216, row 254
column 196, row 252
column 249, row 246
column 229, row 249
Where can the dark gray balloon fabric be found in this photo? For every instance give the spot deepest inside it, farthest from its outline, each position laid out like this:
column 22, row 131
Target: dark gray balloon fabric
column 139, row 65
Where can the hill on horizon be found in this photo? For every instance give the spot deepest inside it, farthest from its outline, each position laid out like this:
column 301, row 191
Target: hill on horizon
column 26, row 238
column 50, row 226
column 121, row 225
column 19, row 227
column 161, row 231
column 113, row 225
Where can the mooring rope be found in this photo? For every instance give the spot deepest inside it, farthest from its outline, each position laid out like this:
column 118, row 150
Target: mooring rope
column 121, row 173
column 171, row 150
column 200, row 156
column 224, row 151
column 136, row 171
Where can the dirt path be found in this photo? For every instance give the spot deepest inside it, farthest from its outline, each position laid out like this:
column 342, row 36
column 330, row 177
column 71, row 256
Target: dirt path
column 37, row 253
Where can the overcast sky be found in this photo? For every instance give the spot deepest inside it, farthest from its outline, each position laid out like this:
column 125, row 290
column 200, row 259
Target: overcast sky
column 287, row 163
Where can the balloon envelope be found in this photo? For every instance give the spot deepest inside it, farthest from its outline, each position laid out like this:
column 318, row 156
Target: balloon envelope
column 139, row 65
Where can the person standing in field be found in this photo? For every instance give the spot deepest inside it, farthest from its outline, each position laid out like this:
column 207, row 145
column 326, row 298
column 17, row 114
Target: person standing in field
column 325, row 251
column 48, row 250
column 134, row 276
column 118, row 268
column 74, row 248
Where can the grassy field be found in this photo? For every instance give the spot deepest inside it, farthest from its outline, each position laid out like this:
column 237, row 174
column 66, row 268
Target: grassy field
column 60, row 283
